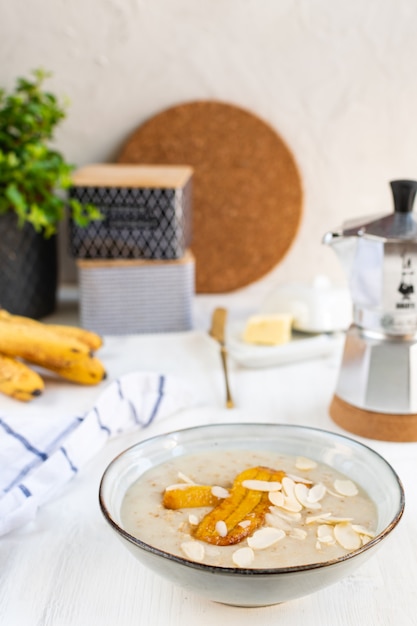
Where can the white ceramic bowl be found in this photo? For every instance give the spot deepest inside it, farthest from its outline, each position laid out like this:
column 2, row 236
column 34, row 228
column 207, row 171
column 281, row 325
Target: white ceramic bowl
column 254, row 587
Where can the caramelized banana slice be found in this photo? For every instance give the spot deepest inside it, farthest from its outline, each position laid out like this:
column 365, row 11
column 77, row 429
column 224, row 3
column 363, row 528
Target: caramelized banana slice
column 239, row 515
column 189, row 496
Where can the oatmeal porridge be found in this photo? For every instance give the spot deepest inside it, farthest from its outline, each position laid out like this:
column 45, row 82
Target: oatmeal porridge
column 249, row 509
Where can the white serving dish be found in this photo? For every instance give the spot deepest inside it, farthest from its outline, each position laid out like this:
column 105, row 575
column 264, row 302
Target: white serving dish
column 319, row 307
column 302, row 346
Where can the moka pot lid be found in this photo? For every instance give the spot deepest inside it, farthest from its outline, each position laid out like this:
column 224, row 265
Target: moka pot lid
column 399, row 226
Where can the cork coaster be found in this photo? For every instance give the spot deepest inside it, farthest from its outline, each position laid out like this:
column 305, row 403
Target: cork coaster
column 247, row 193
column 373, row 425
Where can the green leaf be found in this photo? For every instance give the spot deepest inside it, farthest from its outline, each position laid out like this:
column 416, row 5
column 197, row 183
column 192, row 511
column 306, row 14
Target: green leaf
column 33, row 175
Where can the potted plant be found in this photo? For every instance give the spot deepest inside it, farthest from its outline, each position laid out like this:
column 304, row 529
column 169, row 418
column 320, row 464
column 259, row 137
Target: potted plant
column 34, row 179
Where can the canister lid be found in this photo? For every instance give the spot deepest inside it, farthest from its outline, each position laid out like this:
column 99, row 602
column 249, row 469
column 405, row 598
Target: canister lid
column 143, row 176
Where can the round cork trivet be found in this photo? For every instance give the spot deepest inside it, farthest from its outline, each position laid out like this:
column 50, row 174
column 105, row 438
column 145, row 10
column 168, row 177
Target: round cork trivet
column 247, row 193
column 373, row 425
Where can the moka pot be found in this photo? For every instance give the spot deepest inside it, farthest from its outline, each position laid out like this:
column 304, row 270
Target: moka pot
column 378, row 372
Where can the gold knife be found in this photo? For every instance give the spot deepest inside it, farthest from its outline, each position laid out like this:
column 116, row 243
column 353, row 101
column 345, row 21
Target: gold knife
column 217, row 331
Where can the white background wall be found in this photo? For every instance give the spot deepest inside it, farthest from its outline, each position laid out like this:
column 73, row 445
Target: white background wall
column 337, row 79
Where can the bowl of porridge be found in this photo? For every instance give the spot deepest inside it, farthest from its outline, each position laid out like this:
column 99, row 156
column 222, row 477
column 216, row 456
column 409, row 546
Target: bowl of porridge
column 251, row 514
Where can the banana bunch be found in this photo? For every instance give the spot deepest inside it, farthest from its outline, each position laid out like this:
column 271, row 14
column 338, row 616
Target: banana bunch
column 67, row 351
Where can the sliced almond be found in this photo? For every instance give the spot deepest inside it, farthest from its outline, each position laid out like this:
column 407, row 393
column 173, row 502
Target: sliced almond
column 276, row 498
column 332, row 519
column 221, row 528
column 345, row 487
column 277, row 522
column 244, row 523
column 194, row 550
column 298, row 533
column 346, row 536
column 185, row 478
column 265, row 538
column 325, row 534
column 287, row 515
column 291, row 503
column 219, row 492
column 302, row 494
column 317, row 492
column 361, row 530
column 243, row 557
column 178, row 486
column 303, row 463
column 262, row 485
column 312, row 519
column 300, row 479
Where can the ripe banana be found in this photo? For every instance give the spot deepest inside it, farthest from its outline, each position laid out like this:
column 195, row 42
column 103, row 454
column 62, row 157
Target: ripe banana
column 91, row 339
column 19, row 381
column 39, row 345
column 64, row 350
column 86, row 371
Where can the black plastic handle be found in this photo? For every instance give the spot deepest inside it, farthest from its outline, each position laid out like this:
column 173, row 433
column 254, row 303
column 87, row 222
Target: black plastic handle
column 404, row 192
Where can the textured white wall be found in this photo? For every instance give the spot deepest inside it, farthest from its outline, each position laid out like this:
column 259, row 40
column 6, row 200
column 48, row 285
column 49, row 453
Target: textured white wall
column 336, row 79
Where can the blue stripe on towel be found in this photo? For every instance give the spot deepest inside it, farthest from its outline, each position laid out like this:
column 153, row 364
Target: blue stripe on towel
column 102, row 426
column 53, row 444
column 158, row 401
column 51, row 447
column 130, row 403
column 25, row 490
column 70, row 463
column 23, row 441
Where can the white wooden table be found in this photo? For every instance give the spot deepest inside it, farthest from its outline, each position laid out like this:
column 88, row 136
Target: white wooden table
column 67, row 568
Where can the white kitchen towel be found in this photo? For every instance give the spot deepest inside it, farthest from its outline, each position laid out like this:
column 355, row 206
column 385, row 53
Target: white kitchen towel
column 36, row 460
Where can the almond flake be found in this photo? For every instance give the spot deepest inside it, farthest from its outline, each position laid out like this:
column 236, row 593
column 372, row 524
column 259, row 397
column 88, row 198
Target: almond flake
column 298, row 533
column 292, row 505
column 299, row 479
column 287, row 515
column 244, row 523
column 302, row 463
column 325, row 534
column 302, row 494
column 333, row 493
column 265, row 538
column 346, row 536
column 361, row 530
column 221, row 528
column 288, row 486
column 311, row 519
column 194, row 550
column 276, row 498
column 291, row 502
column 336, row 520
column 345, row 487
column 219, row 492
column 185, row 478
column 177, row 486
column 262, row 485
column 317, row 493
column 243, row 557
column 277, row 522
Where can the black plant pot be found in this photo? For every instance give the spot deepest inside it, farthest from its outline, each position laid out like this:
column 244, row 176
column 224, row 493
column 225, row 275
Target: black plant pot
column 28, row 269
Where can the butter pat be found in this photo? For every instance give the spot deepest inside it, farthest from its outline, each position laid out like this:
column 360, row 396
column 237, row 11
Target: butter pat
column 268, row 330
